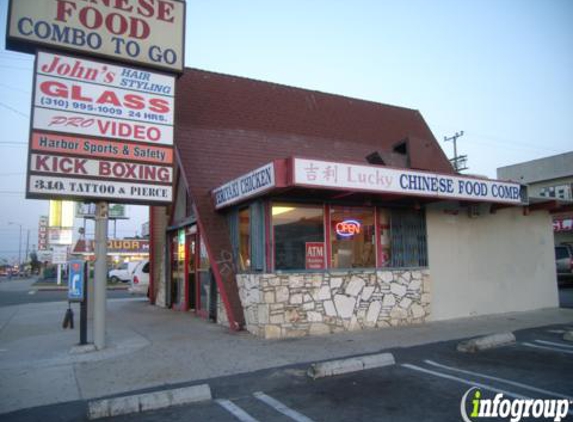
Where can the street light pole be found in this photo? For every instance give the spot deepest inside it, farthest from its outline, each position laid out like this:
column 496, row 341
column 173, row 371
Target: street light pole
column 19, row 245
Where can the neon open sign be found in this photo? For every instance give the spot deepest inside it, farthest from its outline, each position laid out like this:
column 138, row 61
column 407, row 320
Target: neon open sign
column 348, row 228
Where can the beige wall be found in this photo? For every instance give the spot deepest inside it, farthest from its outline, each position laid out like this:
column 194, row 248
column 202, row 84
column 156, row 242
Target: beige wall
column 493, row 263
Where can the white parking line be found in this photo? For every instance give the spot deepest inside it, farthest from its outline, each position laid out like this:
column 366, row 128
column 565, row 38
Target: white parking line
column 463, row 381
column 551, row 343
column 468, row 382
column 32, row 292
column 553, row 349
column 281, row 408
column 237, row 412
column 505, row 381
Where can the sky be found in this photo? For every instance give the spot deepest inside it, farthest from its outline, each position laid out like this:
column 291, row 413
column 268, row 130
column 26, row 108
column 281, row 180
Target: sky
column 500, row 70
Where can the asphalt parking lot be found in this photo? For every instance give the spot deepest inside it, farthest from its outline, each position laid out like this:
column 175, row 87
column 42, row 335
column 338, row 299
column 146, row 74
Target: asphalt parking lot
column 427, row 383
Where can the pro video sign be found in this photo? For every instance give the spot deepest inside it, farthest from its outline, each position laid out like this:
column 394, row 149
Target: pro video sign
column 100, row 131
column 148, row 33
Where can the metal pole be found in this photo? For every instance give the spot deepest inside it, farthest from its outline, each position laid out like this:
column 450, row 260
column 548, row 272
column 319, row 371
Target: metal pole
column 27, row 245
column 84, row 308
column 59, row 275
column 100, row 274
column 20, row 251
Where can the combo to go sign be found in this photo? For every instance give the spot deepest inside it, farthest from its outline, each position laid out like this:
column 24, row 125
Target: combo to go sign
column 145, row 32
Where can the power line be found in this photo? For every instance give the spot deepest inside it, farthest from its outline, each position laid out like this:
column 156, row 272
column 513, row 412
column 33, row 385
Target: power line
column 15, row 89
column 14, row 53
column 14, row 110
column 16, row 68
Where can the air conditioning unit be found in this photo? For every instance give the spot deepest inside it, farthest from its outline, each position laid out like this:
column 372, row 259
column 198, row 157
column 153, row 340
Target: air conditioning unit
column 473, row 211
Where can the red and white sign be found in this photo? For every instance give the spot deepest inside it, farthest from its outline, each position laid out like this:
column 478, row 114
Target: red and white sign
column 368, row 178
column 90, row 147
column 59, row 236
column 315, row 256
column 100, row 131
column 43, row 233
column 102, row 100
column 102, row 169
column 563, row 224
column 104, row 127
column 76, row 188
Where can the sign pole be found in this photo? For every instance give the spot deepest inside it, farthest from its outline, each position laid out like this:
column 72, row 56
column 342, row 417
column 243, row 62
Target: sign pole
column 100, row 274
column 84, row 308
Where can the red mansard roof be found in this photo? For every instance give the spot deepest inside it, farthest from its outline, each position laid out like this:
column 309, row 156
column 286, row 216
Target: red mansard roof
column 228, row 125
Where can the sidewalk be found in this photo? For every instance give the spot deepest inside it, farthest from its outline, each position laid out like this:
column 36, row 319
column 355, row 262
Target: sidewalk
column 151, row 347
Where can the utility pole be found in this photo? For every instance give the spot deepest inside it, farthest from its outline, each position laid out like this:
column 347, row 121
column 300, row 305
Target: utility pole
column 459, row 162
column 19, row 245
column 100, row 274
column 27, row 245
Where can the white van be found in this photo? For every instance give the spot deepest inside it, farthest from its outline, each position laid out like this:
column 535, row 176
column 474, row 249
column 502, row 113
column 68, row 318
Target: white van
column 139, row 283
column 122, row 272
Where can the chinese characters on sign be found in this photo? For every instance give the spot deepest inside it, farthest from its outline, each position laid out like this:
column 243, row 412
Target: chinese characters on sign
column 386, row 180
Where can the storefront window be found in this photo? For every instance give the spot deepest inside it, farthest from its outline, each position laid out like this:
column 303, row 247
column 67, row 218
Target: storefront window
column 352, row 237
column 408, row 239
column 177, row 268
column 204, row 277
column 385, row 237
column 244, row 239
column 298, row 237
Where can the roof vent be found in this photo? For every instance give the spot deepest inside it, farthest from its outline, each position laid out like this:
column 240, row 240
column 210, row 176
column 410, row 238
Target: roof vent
column 375, row 158
column 401, row 148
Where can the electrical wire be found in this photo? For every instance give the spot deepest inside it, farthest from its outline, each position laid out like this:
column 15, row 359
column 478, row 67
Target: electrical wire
column 14, row 110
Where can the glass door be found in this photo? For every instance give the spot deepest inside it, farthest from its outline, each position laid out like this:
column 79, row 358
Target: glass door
column 191, row 272
column 203, row 281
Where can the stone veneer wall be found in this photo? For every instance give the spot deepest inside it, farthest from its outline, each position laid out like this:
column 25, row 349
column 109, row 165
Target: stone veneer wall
column 295, row 305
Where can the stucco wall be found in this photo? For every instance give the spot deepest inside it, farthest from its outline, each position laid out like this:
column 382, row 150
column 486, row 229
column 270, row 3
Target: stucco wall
column 492, row 263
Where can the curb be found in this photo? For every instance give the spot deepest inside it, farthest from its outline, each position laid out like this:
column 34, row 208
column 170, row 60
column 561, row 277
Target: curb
column 148, row 401
column 486, row 342
column 344, row 366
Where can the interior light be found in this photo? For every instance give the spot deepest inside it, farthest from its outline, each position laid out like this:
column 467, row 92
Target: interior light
column 278, row 210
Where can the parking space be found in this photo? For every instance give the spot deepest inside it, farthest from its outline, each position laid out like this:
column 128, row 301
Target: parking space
column 427, row 383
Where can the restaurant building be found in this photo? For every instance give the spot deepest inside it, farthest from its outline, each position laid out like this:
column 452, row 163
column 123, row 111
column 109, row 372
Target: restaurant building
column 303, row 213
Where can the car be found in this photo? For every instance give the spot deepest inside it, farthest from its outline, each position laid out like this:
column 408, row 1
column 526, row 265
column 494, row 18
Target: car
column 564, row 262
column 139, row 283
column 122, row 272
